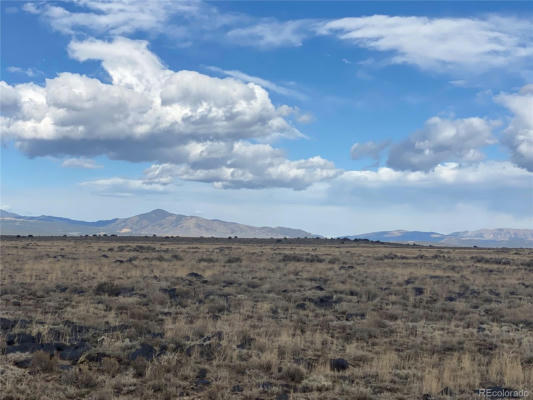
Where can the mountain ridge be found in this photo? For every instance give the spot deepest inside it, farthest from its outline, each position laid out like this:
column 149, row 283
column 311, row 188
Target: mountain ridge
column 498, row 237
column 158, row 222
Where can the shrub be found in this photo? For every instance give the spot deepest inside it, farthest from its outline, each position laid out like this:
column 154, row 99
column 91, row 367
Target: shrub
column 43, row 362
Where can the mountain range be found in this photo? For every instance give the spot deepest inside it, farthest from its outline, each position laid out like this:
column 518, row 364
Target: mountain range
column 163, row 223
column 502, row 237
column 156, row 222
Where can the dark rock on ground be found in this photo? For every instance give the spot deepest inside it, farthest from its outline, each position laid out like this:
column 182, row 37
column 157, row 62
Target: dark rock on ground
column 237, row 389
column 146, row 351
column 25, row 363
column 419, row 291
column 324, row 301
column 8, row 324
column 346, row 267
column 195, row 275
column 338, row 364
column 170, row 292
column 352, row 316
column 202, row 373
column 20, row 338
column 74, row 352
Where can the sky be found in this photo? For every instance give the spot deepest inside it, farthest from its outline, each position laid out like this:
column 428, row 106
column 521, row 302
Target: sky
column 334, row 117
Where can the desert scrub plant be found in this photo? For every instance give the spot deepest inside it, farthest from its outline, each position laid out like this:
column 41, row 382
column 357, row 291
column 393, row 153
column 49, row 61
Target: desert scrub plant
column 43, row 361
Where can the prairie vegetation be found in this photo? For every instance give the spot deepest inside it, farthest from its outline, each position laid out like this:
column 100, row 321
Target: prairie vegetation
column 167, row 318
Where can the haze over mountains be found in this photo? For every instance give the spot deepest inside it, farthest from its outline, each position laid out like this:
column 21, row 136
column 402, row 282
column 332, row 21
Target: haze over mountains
column 164, row 223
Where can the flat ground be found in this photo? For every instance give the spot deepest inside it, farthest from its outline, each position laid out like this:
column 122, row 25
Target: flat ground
column 167, row 318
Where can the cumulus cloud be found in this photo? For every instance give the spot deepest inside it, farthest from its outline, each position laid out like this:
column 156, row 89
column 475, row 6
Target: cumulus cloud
column 202, row 126
column 488, row 185
column 245, row 165
column 471, row 43
column 86, row 163
column 368, row 149
column 519, row 134
column 157, row 110
column 442, row 140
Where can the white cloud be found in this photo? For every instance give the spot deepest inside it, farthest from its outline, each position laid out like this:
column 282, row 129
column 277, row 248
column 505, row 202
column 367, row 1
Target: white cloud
column 86, row 163
column 244, row 165
column 156, row 109
column 519, row 134
column 442, row 140
column 259, row 81
column 493, row 186
column 201, row 125
column 29, row 72
column 305, row 118
column 368, row 149
column 122, row 187
column 471, row 43
column 272, row 34
column 113, row 17
column 499, row 173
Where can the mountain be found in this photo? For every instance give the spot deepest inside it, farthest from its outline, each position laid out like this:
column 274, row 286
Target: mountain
column 158, row 222
column 501, row 237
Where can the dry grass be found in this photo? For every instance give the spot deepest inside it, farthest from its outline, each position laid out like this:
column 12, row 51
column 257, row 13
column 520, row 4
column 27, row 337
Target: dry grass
column 156, row 318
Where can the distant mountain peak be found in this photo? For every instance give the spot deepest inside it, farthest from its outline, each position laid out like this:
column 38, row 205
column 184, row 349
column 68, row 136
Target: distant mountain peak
column 158, row 212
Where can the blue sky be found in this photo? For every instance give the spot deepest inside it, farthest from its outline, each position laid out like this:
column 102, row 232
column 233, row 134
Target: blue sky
column 334, row 117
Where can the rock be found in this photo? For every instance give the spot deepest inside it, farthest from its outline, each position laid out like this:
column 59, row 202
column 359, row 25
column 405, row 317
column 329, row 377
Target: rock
column 236, row 389
column 419, row 291
column 427, row 396
column 301, row 306
column 9, row 324
column 73, row 353
column 324, row 301
column 352, row 316
column 202, row 373
column 319, row 288
column 195, row 275
column 23, row 348
column 170, row 292
column 282, row 396
column 20, row 338
column 146, row 351
column 338, row 364
column 24, row 363
column 203, row 382
column 346, row 267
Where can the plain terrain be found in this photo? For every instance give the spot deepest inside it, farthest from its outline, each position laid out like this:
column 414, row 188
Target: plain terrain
column 166, row 318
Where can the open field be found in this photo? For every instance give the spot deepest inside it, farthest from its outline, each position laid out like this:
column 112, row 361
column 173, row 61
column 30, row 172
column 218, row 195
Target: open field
column 156, row 318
